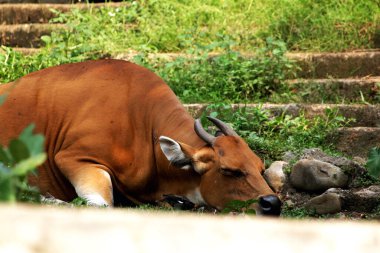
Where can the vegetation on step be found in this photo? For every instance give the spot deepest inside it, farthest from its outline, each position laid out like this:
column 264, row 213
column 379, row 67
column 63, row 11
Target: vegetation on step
column 225, row 78
column 373, row 163
column 271, row 136
column 228, row 77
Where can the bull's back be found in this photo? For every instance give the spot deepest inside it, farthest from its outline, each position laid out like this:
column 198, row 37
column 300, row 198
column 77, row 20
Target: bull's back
column 93, row 108
column 51, row 96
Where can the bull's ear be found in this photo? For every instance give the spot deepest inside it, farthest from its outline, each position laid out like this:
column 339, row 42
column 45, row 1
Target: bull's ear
column 178, row 154
column 184, row 156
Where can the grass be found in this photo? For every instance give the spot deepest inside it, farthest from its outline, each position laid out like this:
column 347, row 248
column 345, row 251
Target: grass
column 173, row 26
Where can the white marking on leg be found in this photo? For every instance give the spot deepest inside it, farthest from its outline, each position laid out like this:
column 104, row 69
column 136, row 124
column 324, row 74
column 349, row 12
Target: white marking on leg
column 95, row 200
column 195, row 196
column 91, row 195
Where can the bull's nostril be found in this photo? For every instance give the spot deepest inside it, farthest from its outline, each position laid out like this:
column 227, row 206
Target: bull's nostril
column 270, row 205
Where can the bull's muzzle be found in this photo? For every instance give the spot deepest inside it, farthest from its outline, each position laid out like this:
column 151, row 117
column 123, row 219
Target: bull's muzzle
column 270, row 205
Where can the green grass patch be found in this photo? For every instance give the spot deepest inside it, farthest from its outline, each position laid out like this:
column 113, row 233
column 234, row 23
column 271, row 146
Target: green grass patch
column 173, row 26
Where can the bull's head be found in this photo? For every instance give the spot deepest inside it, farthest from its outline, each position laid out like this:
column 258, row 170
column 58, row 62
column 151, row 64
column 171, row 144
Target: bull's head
column 229, row 169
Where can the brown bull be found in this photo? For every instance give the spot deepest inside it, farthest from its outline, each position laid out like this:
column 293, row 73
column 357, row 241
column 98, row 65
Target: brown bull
column 106, row 123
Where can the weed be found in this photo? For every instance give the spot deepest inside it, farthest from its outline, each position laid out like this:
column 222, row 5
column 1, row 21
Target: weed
column 295, row 212
column 79, row 202
column 238, row 206
column 373, row 162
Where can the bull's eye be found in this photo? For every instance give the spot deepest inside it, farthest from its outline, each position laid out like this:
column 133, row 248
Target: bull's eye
column 233, row 172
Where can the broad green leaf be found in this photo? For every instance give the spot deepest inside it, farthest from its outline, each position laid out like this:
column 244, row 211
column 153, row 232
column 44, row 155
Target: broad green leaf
column 25, row 166
column 46, row 39
column 34, row 142
column 4, row 171
column 7, row 190
column 373, row 163
column 235, row 204
column 18, row 150
column 4, row 156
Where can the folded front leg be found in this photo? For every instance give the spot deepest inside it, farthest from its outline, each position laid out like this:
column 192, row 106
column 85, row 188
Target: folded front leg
column 94, row 185
column 91, row 181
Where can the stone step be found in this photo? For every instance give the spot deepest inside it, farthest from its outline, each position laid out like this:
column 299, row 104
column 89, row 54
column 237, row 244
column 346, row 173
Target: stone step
column 350, row 90
column 363, row 115
column 356, row 141
column 37, row 1
column 338, row 65
column 25, row 35
column 312, row 65
column 41, row 13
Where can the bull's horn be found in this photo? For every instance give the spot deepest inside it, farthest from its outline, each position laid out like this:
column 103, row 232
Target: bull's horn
column 226, row 129
column 201, row 132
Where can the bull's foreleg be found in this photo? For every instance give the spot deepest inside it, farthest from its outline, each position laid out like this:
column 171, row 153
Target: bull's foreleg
column 92, row 182
column 94, row 185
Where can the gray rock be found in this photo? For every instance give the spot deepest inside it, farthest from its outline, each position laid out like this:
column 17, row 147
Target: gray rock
column 314, row 175
column 327, row 203
column 355, row 169
column 275, row 175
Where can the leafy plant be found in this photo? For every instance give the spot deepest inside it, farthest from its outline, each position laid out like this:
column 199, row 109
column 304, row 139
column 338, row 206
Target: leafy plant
column 239, row 206
column 295, row 212
column 17, row 161
column 373, row 162
column 270, row 135
column 228, row 77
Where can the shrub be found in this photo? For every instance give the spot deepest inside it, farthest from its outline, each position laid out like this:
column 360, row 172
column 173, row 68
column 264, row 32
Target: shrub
column 17, row 161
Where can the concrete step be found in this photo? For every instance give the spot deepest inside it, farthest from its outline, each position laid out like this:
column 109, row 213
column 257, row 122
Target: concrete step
column 363, row 115
column 41, row 13
column 350, row 90
column 338, row 65
column 26, row 35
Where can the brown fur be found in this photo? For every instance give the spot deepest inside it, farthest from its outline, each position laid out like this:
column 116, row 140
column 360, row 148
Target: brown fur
column 107, row 115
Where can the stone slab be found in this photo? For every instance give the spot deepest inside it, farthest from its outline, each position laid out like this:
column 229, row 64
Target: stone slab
column 41, row 13
column 25, row 35
column 356, row 141
column 364, row 115
column 348, row 90
column 338, row 65
column 315, row 65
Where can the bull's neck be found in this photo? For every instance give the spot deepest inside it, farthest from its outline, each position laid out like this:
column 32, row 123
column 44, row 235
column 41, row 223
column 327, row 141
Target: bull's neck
column 172, row 120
